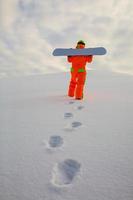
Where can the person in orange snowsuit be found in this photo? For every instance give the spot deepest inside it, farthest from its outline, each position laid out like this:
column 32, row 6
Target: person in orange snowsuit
column 78, row 72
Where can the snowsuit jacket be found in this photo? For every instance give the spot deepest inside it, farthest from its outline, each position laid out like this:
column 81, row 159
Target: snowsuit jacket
column 79, row 62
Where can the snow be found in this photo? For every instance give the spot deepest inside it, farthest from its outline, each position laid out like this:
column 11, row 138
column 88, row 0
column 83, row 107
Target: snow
column 53, row 147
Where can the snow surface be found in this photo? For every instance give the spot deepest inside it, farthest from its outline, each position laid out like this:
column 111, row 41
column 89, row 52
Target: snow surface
column 53, row 147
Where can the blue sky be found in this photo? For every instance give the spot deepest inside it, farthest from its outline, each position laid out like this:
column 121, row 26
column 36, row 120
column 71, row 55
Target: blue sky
column 31, row 29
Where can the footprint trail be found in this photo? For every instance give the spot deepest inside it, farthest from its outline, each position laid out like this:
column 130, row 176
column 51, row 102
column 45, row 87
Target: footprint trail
column 64, row 172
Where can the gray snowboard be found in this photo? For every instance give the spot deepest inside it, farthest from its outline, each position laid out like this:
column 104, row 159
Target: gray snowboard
column 74, row 52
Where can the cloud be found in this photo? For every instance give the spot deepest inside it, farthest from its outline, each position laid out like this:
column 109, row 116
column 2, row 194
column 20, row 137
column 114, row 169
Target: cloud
column 31, row 29
column 8, row 14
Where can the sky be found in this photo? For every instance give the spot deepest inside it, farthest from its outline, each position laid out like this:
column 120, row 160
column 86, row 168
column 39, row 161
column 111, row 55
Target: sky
column 31, row 29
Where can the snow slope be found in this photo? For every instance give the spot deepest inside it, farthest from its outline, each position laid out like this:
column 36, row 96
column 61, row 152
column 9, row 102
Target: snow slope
column 55, row 148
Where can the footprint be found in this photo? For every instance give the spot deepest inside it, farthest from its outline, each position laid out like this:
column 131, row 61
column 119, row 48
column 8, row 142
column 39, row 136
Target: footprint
column 65, row 172
column 71, row 127
column 76, row 124
column 80, row 107
column 68, row 115
column 55, row 141
column 71, row 102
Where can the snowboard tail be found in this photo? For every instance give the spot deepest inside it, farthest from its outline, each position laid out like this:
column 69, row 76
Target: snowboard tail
column 74, row 52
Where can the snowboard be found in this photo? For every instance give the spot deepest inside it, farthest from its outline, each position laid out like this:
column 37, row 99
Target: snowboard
column 79, row 52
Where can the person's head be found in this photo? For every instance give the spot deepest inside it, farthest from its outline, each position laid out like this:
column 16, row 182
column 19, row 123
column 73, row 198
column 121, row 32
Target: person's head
column 80, row 44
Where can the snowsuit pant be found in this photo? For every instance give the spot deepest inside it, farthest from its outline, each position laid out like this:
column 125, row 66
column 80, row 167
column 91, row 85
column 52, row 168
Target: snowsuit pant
column 76, row 85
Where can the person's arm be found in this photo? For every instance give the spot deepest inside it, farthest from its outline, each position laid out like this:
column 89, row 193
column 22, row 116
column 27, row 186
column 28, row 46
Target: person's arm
column 69, row 58
column 89, row 58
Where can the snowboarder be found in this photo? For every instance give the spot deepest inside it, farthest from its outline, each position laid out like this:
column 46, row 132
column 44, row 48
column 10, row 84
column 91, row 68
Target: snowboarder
column 78, row 72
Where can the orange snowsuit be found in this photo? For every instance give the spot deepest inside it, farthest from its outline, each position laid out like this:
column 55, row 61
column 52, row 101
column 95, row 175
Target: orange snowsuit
column 78, row 75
